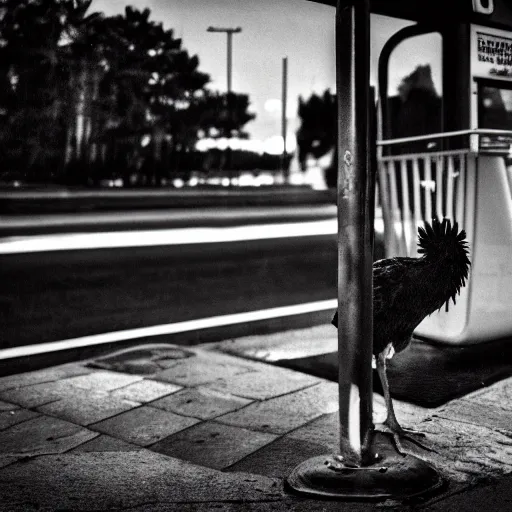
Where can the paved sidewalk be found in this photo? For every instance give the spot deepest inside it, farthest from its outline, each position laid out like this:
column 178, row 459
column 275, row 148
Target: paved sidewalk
column 174, row 429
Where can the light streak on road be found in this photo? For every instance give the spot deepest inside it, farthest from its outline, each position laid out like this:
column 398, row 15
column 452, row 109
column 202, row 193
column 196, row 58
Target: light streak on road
column 180, row 236
column 162, row 237
column 171, row 328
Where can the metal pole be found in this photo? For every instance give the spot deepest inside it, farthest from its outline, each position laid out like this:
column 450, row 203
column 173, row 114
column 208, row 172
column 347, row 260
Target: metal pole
column 229, row 32
column 359, row 470
column 283, row 115
column 355, row 308
column 230, row 49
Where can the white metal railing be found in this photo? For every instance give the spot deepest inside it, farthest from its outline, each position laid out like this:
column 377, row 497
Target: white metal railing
column 471, row 185
column 474, row 136
column 417, row 187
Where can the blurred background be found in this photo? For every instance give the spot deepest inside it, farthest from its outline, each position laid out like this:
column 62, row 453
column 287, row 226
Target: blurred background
column 148, row 92
column 165, row 162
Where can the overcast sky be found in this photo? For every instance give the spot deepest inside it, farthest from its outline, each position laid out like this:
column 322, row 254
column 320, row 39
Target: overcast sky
column 301, row 30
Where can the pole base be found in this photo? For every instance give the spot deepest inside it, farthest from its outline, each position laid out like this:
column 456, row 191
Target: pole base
column 391, row 476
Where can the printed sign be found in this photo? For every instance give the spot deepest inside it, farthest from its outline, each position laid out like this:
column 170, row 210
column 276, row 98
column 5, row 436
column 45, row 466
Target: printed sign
column 491, row 102
column 491, row 52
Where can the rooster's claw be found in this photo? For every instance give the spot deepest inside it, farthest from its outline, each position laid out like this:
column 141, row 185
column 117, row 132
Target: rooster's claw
column 399, row 433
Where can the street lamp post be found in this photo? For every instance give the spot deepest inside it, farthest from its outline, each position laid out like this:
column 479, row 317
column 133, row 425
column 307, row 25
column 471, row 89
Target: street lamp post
column 229, row 32
column 285, row 169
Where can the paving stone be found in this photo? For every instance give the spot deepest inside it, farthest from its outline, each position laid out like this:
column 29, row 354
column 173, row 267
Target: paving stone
column 266, row 383
column 212, row 444
column 323, row 431
column 42, row 435
column 72, row 389
column 104, row 443
column 464, row 453
column 6, row 406
column 103, row 380
column 279, row 458
column 288, row 504
column 498, row 394
column 495, row 497
column 88, row 407
column 145, row 359
column 493, row 415
column 203, row 368
column 145, row 390
column 13, row 417
column 201, row 402
column 294, row 343
column 319, row 437
column 123, row 481
column 144, row 426
column 5, row 460
column 224, row 359
column 37, row 394
column 285, row 413
column 45, row 393
column 45, row 375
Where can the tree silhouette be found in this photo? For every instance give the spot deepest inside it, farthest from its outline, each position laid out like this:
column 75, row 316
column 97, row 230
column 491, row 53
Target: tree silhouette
column 81, row 90
column 34, row 79
column 227, row 113
column 148, row 88
column 415, row 110
column 317, row 133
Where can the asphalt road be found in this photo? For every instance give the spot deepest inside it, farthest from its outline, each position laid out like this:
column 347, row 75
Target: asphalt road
column 28, row 224
column 51, row 296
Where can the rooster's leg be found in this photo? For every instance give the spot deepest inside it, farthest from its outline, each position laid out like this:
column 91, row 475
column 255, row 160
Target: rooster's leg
column 391, row 423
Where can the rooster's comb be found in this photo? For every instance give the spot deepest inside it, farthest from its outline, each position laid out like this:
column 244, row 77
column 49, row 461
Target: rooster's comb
column 440, row 241
column 440, row 236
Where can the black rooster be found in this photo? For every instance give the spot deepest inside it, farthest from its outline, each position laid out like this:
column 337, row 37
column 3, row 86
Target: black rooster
column 406, row 290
